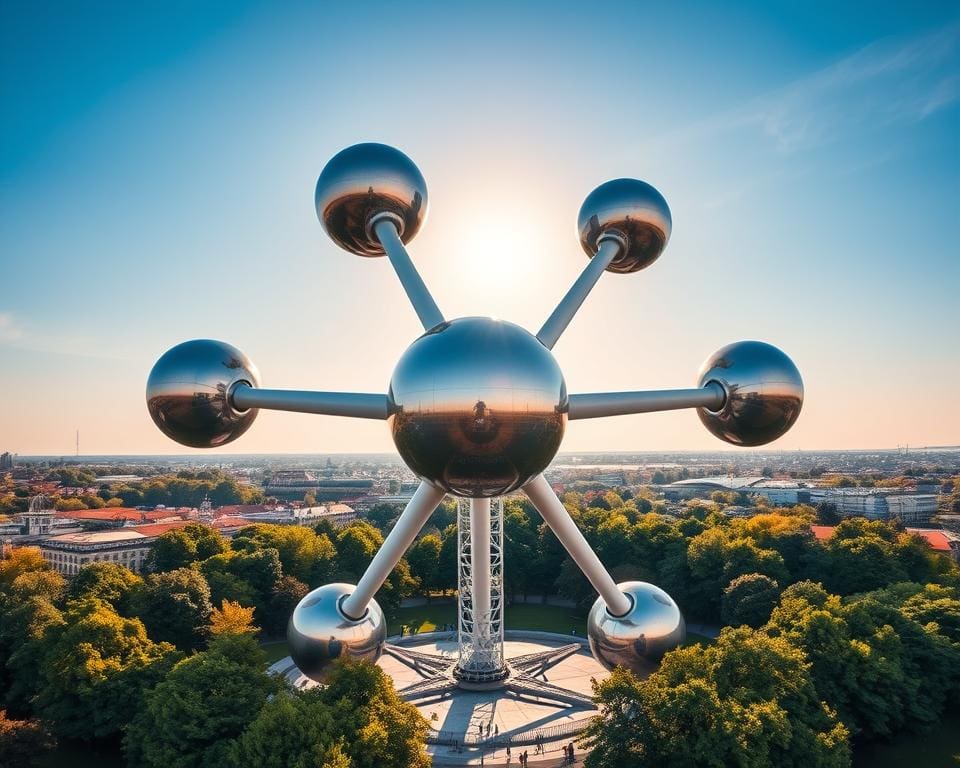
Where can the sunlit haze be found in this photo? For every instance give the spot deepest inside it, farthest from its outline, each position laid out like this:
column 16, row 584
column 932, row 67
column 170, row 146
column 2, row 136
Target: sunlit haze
column 158, row 172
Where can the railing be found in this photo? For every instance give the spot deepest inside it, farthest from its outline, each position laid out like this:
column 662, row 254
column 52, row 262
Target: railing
column 514, row 738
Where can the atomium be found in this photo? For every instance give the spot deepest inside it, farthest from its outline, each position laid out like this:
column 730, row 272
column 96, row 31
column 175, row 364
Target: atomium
column 477, row 408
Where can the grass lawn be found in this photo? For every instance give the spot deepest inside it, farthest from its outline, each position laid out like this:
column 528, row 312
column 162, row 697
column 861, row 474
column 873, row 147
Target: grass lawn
column 275, row 650
column 546, row 618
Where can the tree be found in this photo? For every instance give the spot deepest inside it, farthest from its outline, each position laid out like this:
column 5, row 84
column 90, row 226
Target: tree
column 23, row 631
column 303, row 553
column 284, row 598
column 175, row 607
column 231, row 618
column 249, row 578
column 749, row 599
column 18, row 561
column 206, row 701
column 95, row 669
column 173, row 549
column 22, row 741
column 382, row 515
column 424, row 559
column 747, row 700
column 110, row 582
column 356, row 720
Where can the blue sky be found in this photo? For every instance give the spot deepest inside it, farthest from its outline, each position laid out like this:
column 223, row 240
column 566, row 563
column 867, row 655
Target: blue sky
column 158, row 163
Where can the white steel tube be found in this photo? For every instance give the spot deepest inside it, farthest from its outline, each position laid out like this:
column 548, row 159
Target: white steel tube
column 568, row 306
column 556, row 516
column 598, row 404
column 418, row 509
column 423, row 304
column 356, row 404
column 480, row 565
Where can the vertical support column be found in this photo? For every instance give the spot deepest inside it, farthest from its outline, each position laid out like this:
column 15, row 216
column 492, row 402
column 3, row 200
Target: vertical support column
column 480, row 580
column 480, row 556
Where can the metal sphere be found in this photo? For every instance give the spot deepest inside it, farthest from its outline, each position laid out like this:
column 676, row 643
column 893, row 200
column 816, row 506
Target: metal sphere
column 319, row 632
column 764, row 393
column 188, row 393
column 637, row 641
column 478, row 407
column 631, row 211
column 365, row 180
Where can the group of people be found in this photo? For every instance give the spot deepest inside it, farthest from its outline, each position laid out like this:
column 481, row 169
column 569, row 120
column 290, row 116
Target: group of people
column 569, row 754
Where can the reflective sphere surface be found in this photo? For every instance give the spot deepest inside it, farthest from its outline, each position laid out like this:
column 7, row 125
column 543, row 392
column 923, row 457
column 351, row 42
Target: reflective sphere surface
column 478, row 406
column 188, row 393
column 764, row 393
column 632, row 210
column 361, row 181
column 319, row 633
column 637, row 641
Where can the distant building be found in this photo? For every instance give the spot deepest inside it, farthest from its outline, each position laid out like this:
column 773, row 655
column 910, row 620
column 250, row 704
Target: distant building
column 295, row 484
column 6, row 461
column 39, row 517
column 338, row 514
column 777, row 492
column 878, row 503
column 69, row 552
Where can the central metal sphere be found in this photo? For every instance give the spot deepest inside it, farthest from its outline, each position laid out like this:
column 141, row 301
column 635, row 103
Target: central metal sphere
column 478, row 407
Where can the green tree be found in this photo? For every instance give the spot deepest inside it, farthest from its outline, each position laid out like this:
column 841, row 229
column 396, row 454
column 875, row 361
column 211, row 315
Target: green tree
column 173, row 549
column 175, row 607
column 749, row 599
column 110, row 582
column 356, row 720
column 383, row 515
column 424, row 559
column 96, row 667
column 303, row 553
column 206, row 701
column 284, row 598
column 747, row 700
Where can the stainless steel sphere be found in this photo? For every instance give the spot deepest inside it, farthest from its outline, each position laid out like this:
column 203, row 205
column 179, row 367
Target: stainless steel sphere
column 478, row 407
column 764, row 393
column 188, row 393
column 637, row 641
column 365, row 180
column 319, row 633
column 632, row 211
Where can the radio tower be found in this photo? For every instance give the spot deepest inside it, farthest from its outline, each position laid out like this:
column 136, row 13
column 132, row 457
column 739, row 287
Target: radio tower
column 78, row 443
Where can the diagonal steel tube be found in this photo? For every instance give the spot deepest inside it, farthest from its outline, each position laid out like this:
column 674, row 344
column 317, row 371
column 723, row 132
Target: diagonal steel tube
column 426, row 499
column 423, row 304
column 570, row 303
column 555, row 515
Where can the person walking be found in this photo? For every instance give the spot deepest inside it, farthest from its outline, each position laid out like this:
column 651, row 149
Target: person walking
column 570, row 749
column 508, row 754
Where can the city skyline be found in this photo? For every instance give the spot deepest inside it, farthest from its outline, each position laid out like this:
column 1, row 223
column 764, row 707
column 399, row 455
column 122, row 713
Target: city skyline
column 812, row 178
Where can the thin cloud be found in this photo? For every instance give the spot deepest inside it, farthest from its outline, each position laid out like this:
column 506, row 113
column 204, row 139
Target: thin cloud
column 884, row 83
column 9, row 331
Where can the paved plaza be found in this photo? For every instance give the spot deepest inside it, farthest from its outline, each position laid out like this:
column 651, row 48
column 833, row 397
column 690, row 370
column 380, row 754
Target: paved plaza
column 468, row 727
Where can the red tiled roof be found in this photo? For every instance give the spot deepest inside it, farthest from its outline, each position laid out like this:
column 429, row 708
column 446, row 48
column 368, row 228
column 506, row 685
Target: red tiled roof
column 822, row 532
column 936, row 539
column 157, row 528
column 232, row 521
